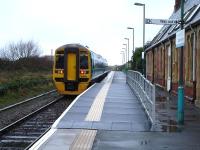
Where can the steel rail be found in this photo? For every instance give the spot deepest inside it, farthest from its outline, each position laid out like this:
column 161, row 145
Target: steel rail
column 29, row 146
column 12, row 125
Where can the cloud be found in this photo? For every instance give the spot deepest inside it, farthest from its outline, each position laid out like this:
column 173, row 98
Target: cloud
column 100, row 24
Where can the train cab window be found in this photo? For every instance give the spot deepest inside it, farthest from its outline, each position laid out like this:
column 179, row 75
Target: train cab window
column 59, row 61
column 83, row 60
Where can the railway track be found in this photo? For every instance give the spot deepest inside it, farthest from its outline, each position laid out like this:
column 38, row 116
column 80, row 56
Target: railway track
column 20, row 134
column 14, row 112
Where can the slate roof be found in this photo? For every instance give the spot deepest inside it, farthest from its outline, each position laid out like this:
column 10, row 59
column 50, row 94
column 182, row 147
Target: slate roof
column 191, row 15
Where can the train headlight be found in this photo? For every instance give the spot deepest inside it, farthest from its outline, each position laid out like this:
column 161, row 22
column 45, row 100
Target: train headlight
column 82, row 71
column 59, row 71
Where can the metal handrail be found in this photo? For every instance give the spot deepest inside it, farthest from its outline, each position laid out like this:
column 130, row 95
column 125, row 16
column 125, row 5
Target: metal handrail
column 145, row 91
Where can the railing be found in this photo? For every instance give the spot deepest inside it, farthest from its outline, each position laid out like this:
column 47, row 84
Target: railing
column 145, row 91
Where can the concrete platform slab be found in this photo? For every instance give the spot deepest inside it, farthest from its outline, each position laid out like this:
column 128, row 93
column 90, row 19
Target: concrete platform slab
column 107, row 106
column 125, row 140
column 123, row 125
column 120, row 107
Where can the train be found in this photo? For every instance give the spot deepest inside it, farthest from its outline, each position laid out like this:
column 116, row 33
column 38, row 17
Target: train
column 76, row 67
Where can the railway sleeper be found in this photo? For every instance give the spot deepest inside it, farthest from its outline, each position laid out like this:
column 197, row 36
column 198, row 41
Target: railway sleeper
column 35, row 127
column 28, row 130
column 10, row 137
column 17, row 141
column 41, row 122
column 22, row 133
column 12, row 148
column 15, row 144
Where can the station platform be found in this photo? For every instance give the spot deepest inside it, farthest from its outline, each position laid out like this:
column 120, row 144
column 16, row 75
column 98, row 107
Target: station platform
column 108, row 116
column 106, row 106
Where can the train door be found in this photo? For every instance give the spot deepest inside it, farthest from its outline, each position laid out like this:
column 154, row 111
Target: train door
column 71, row 69
column 71, row 66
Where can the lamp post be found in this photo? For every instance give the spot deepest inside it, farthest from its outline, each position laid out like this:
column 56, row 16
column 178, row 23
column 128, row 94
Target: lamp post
column 140, row 4
column 133, row 36
column 180, row 115
column 128, row 51
column 122, row 52
column 125, row 52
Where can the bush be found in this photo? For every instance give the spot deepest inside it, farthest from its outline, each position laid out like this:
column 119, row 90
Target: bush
column 3, row 90
column 23, row 55
column 16, row 85
column 31, row 64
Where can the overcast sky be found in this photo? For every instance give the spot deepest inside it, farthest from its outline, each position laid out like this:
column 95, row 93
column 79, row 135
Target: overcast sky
column 99, row 24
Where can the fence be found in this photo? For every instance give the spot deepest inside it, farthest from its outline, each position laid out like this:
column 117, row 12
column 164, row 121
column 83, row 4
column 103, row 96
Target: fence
column 145, row 91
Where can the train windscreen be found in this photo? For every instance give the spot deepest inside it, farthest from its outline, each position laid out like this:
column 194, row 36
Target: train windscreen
column 59, row 61
column 83, row 60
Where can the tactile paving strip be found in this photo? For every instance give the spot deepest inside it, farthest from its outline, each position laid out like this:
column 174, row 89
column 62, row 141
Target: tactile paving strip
column 96, row 109
column 84, row 140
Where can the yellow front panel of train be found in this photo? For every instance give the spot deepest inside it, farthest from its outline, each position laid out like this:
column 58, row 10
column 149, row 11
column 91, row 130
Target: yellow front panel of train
column 71, row 66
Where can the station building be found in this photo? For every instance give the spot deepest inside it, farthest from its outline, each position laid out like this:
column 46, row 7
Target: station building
column 162, row 56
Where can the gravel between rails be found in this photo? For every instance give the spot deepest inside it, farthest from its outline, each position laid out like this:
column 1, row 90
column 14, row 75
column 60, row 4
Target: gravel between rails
column 11, row 115
column 23, row 134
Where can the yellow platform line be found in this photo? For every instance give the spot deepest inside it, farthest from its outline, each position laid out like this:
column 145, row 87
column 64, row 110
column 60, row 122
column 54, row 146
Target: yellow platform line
column 84, row 140
column 96, row 109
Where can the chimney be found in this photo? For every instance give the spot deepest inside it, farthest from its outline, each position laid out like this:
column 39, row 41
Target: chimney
column 177, row 5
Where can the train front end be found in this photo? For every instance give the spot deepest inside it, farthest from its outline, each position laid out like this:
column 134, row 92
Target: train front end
column 72, row 71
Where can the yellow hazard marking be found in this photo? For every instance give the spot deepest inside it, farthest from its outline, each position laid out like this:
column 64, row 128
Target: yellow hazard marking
column 96, row 109
column 84, row 140
column 71, row 66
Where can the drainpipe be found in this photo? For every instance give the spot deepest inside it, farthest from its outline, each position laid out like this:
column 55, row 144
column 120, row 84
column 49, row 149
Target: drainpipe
column 194, row 64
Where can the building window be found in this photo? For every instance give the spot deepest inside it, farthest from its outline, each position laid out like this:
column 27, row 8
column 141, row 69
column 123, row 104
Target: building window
column 166, row 63
column 163, row 62
column 188, row 57
column 174, row 63
column 192, row 49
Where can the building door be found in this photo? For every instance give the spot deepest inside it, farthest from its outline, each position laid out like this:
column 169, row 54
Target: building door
column 169, row 68
column 197, row 101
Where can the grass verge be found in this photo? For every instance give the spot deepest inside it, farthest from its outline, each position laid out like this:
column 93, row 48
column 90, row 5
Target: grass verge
column 15, row 95
column 21, row 94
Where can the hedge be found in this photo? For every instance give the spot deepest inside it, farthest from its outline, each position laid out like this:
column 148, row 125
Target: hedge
column 17, row 84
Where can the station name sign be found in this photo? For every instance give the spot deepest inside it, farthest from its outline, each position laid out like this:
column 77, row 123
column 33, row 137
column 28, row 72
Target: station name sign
column 180, row 38
column 161, row 21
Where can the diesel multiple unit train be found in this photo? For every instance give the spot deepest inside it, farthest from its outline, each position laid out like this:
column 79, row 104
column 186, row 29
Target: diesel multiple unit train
column 76, row 68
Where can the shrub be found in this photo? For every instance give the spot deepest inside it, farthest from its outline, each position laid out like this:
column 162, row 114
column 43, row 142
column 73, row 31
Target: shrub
column 17, row 84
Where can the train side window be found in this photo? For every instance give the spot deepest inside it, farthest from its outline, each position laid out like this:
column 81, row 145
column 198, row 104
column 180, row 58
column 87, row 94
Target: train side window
column 59, row 61
column 83, row 61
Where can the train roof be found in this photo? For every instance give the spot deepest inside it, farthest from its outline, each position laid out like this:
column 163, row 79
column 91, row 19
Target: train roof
column 75, row 45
